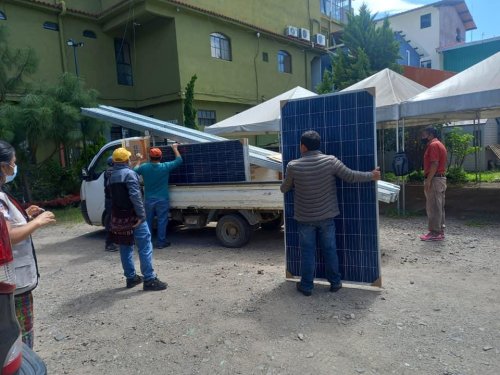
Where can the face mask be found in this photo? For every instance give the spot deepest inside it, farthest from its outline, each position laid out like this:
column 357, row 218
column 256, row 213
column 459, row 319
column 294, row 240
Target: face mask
column 11, row 178
column 424, row 141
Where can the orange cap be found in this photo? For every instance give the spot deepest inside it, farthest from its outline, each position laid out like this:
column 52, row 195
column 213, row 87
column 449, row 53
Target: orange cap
column 155, row 153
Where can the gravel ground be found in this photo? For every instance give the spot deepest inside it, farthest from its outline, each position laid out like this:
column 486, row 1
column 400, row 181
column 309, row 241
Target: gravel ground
column 231, row 311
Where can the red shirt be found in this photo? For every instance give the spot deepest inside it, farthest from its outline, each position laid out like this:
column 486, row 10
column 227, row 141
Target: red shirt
column 435, row 152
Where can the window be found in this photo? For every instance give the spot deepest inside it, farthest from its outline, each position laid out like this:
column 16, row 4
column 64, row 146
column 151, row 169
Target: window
column 2, row 16
column 51, row 26
column 123, row 62
column 459, row 35
column 284, row 62
column 89, row 34
column 426, row 64
column 206, row 118
column 336, row 9
column 220, row 46
column 265, row 56
column 425, row 21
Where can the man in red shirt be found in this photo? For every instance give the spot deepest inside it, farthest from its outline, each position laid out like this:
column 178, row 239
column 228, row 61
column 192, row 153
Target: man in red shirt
column 435, row 160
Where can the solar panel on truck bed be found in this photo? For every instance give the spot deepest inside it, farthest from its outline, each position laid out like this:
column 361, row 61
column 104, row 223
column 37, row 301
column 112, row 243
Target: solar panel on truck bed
column 346, row 124
column 214, row 162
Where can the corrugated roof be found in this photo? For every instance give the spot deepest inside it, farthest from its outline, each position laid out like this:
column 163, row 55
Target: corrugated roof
column 495, row 149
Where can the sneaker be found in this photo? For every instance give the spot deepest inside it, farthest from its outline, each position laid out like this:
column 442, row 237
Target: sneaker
column 154, row 285
column 162, row 245
column 335, row 287
column 432, row 237
column 136, row 280
column 307, row 293
column 111, row 247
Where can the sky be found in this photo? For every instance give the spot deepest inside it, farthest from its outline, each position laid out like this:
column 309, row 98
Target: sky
column 484, row 12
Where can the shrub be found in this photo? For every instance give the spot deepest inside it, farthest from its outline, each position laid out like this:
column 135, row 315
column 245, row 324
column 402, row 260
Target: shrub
column 456, row 175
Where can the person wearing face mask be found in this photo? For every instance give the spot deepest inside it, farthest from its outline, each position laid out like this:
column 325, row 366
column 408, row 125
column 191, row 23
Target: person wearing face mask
column 21, row 224
column 435, row 160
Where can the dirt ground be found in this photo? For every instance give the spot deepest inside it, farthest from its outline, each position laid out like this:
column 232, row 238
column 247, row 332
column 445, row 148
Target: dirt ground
column 231, row 311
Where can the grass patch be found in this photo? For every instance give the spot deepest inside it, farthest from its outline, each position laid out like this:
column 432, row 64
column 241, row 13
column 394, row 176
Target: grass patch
column 487, row 176
column 68, row 215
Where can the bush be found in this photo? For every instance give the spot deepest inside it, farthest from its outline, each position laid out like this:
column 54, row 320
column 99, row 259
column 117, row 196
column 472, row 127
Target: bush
column 456, row 175
column 416, row 176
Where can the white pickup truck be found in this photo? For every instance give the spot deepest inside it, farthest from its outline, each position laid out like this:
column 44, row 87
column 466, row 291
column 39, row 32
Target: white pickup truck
column 238, row 208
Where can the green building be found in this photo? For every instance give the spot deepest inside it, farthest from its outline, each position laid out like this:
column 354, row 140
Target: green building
column 140, row 54
column 463, row 56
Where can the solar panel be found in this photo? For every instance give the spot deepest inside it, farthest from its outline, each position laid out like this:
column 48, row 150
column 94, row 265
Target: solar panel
column 346, row 124
column 212, row 162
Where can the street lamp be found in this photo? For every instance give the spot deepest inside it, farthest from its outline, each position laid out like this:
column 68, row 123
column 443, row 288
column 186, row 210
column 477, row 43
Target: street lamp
column 75, row 45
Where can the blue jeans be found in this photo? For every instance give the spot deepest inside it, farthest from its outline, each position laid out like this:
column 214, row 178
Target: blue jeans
column 142, row 238
column 158, row 207
column 309, row 233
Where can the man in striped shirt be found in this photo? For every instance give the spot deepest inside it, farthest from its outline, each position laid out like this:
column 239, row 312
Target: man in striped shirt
column 312, row 177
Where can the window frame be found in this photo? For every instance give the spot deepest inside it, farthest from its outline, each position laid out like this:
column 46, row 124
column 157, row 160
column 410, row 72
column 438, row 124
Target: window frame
column 89, row 34
column 207, row 119
column 51, row 26
column 423, row 64
column 282, row 63
column 123, row 59
column 423, row 23
column 220, row 47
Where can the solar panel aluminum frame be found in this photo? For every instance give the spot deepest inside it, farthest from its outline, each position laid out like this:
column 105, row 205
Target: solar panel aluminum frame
column 377, row 284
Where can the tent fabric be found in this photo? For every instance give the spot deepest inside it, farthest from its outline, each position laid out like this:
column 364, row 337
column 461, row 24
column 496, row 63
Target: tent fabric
column 391, row 89
column 261, row 119
column 473, row 92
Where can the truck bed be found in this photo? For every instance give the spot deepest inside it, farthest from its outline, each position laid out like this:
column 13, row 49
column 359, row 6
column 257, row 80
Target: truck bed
column 233, row 196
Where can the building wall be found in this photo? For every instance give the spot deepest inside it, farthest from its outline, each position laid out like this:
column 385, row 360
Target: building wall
column 274, row 16
column 450, row 23
column 463, row 57
column 409, row 56
column 427, row 40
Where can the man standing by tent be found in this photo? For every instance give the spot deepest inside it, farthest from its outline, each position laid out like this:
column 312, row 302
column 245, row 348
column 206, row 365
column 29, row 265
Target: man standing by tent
column 315, row 206
column 435, row 159
column 156, row 175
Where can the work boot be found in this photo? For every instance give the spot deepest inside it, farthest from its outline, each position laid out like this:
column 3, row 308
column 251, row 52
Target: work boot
column 136, row 280
column 154, row 285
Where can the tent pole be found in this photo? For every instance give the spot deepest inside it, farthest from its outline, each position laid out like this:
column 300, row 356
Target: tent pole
column 479, row 144
column 397, row 150
column 383, row 149
column 404, row 181
column 475, row 151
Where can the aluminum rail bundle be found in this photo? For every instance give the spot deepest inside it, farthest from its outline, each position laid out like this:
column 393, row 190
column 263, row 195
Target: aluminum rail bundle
column 258, row 156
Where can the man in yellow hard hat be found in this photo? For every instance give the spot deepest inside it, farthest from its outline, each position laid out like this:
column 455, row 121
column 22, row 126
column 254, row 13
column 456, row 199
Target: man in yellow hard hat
column 128, row 223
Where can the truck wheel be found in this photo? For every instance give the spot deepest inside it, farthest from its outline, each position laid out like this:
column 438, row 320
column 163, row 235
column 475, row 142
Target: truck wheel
column 273, row 224
column 233, row 231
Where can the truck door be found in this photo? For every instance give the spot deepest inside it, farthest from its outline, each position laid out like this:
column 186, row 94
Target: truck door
column 93, row 186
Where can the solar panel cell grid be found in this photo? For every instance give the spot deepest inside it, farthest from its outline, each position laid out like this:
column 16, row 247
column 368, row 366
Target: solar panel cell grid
column 214, row 162
column 346, row 125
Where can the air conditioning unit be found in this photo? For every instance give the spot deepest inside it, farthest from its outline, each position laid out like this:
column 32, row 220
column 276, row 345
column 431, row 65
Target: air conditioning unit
column 320, row 39
column 305, row 34
column 292, row 31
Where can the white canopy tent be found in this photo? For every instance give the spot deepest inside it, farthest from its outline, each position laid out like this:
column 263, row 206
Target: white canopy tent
column 261, row 119
column 391, row 89
column 472, row 93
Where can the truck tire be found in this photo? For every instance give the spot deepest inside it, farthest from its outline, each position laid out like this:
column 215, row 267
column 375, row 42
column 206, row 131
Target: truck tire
column 233, row 231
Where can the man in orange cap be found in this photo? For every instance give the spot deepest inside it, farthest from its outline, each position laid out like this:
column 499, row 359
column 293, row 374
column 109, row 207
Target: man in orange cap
column 156, row 175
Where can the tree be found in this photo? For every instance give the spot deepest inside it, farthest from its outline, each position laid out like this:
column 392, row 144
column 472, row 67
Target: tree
column 367, row 49
column 189, row 110
column 326, row 85
column 15, row 66
column 459, row 146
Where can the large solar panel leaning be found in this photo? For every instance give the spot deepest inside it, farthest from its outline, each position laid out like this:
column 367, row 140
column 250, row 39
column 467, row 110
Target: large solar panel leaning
column 346, row 124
